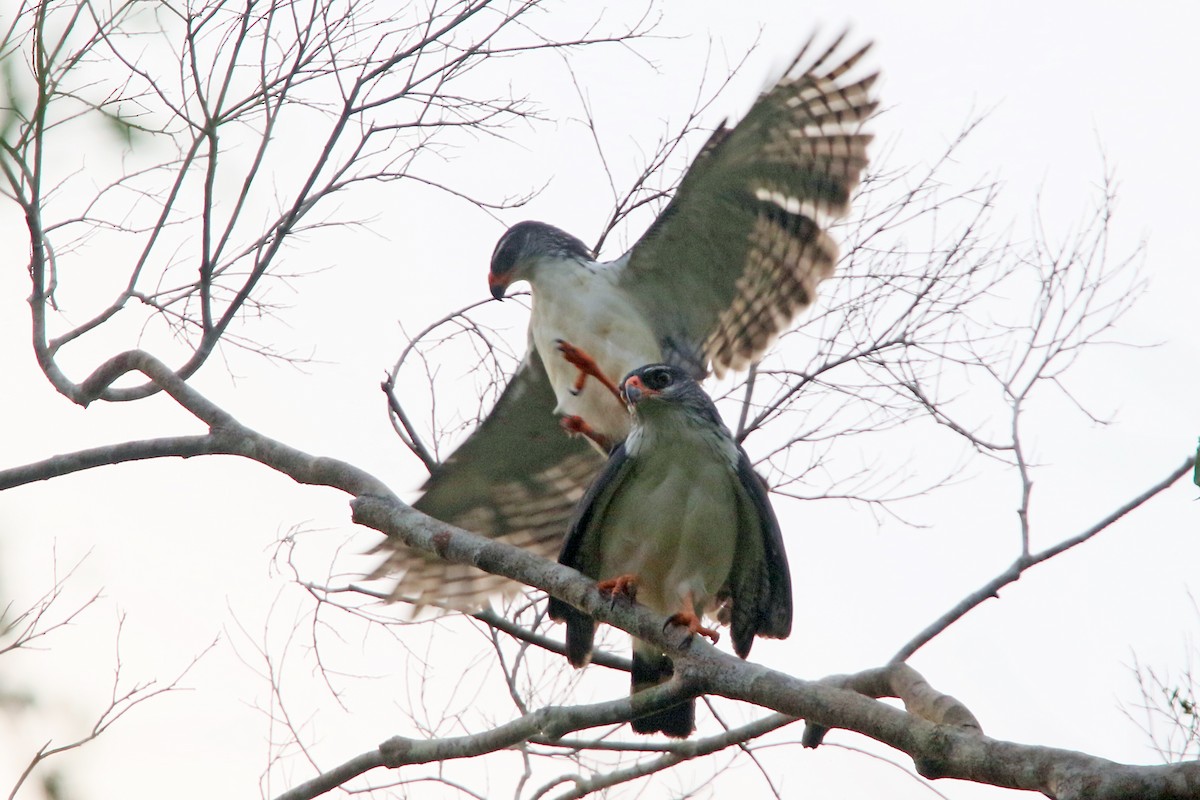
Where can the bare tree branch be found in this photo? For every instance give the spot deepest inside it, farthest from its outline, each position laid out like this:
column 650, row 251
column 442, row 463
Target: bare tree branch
column 203, row 215
column 1013, row 573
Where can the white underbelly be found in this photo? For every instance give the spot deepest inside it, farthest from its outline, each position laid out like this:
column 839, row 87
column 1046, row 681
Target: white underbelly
column 594, row 315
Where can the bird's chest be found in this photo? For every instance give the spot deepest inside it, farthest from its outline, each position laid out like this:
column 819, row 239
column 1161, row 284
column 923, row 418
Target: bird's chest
column 675, row 525
column 585, row 307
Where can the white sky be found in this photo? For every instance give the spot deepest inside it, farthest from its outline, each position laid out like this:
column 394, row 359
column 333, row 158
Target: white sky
column 184, row 550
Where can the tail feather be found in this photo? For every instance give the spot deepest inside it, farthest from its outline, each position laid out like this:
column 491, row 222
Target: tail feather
column 650, row 668
column 581, row 631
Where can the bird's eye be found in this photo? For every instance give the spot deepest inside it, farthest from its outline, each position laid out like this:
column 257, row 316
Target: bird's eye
column 658, row 379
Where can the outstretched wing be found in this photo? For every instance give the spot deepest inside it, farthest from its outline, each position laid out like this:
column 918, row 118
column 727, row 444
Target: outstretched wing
column 516, row 478
column 741, row 247
column 727, row 265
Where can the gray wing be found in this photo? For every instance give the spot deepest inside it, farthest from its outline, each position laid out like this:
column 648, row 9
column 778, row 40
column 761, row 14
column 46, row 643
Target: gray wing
column 740, row 249
column 582, row 551
column 760, row 585
column 516, row 478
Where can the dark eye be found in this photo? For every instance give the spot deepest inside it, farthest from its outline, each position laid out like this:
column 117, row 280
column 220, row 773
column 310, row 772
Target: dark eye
column 658, row 379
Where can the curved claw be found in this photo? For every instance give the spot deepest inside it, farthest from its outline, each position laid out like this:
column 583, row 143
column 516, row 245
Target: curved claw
column 694, row 625
column 577, row 426
column 588, row 368
column 619, row 586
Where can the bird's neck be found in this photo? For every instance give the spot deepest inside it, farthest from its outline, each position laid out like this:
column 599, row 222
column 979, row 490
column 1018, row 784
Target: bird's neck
column 661, row 428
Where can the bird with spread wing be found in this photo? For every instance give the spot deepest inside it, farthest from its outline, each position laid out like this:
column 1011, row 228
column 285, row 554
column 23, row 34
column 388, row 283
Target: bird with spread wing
column 736, row 254
column 678, row 518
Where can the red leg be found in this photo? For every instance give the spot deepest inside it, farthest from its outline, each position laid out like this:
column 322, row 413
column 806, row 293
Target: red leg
column 688, row 619
column 588, row 368
column 575, row 425
column 622, row 585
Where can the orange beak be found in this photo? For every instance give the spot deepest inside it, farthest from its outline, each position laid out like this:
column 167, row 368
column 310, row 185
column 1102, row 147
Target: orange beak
column 633, row 390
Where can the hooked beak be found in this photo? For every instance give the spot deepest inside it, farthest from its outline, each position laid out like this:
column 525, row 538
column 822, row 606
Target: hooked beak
column 633, row 390
column 498, row 284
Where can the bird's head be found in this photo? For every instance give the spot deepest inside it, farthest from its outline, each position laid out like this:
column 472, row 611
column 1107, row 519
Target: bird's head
column 648, row 386
column 651, row 382
column 523, row 245
column 661, row 395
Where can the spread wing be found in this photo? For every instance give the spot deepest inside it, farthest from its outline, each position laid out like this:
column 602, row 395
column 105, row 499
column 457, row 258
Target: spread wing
column 760, row 585
column 516, row 478
column 726, row 266
column 740, row 249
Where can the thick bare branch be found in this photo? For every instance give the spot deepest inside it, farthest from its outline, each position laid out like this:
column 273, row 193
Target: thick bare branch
column 903, row 682
column 942, row 751
column 938, row 750
column 206, row 203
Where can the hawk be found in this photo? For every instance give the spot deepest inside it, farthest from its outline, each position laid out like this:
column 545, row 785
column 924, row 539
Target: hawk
column 678, row 514
column 736, row 254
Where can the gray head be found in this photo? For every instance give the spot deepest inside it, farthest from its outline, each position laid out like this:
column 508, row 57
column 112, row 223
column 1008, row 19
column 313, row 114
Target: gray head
column 525, row 242
column 646, row 387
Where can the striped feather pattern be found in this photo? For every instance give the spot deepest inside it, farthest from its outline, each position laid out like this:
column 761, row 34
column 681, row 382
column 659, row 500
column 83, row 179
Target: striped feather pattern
column 744, row 240
column 728, row 264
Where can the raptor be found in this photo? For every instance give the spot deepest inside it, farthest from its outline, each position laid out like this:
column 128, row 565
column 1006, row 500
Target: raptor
column 727, row 265
column 679, row 517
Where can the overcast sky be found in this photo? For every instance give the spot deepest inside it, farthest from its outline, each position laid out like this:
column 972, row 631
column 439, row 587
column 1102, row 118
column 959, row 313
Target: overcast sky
column 184, row 551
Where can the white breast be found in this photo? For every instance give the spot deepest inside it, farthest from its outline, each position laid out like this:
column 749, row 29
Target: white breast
column 583, row 305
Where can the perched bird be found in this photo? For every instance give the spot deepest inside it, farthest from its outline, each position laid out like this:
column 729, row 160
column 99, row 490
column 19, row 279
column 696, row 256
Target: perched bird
column 736, row 254
column 679, row 515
